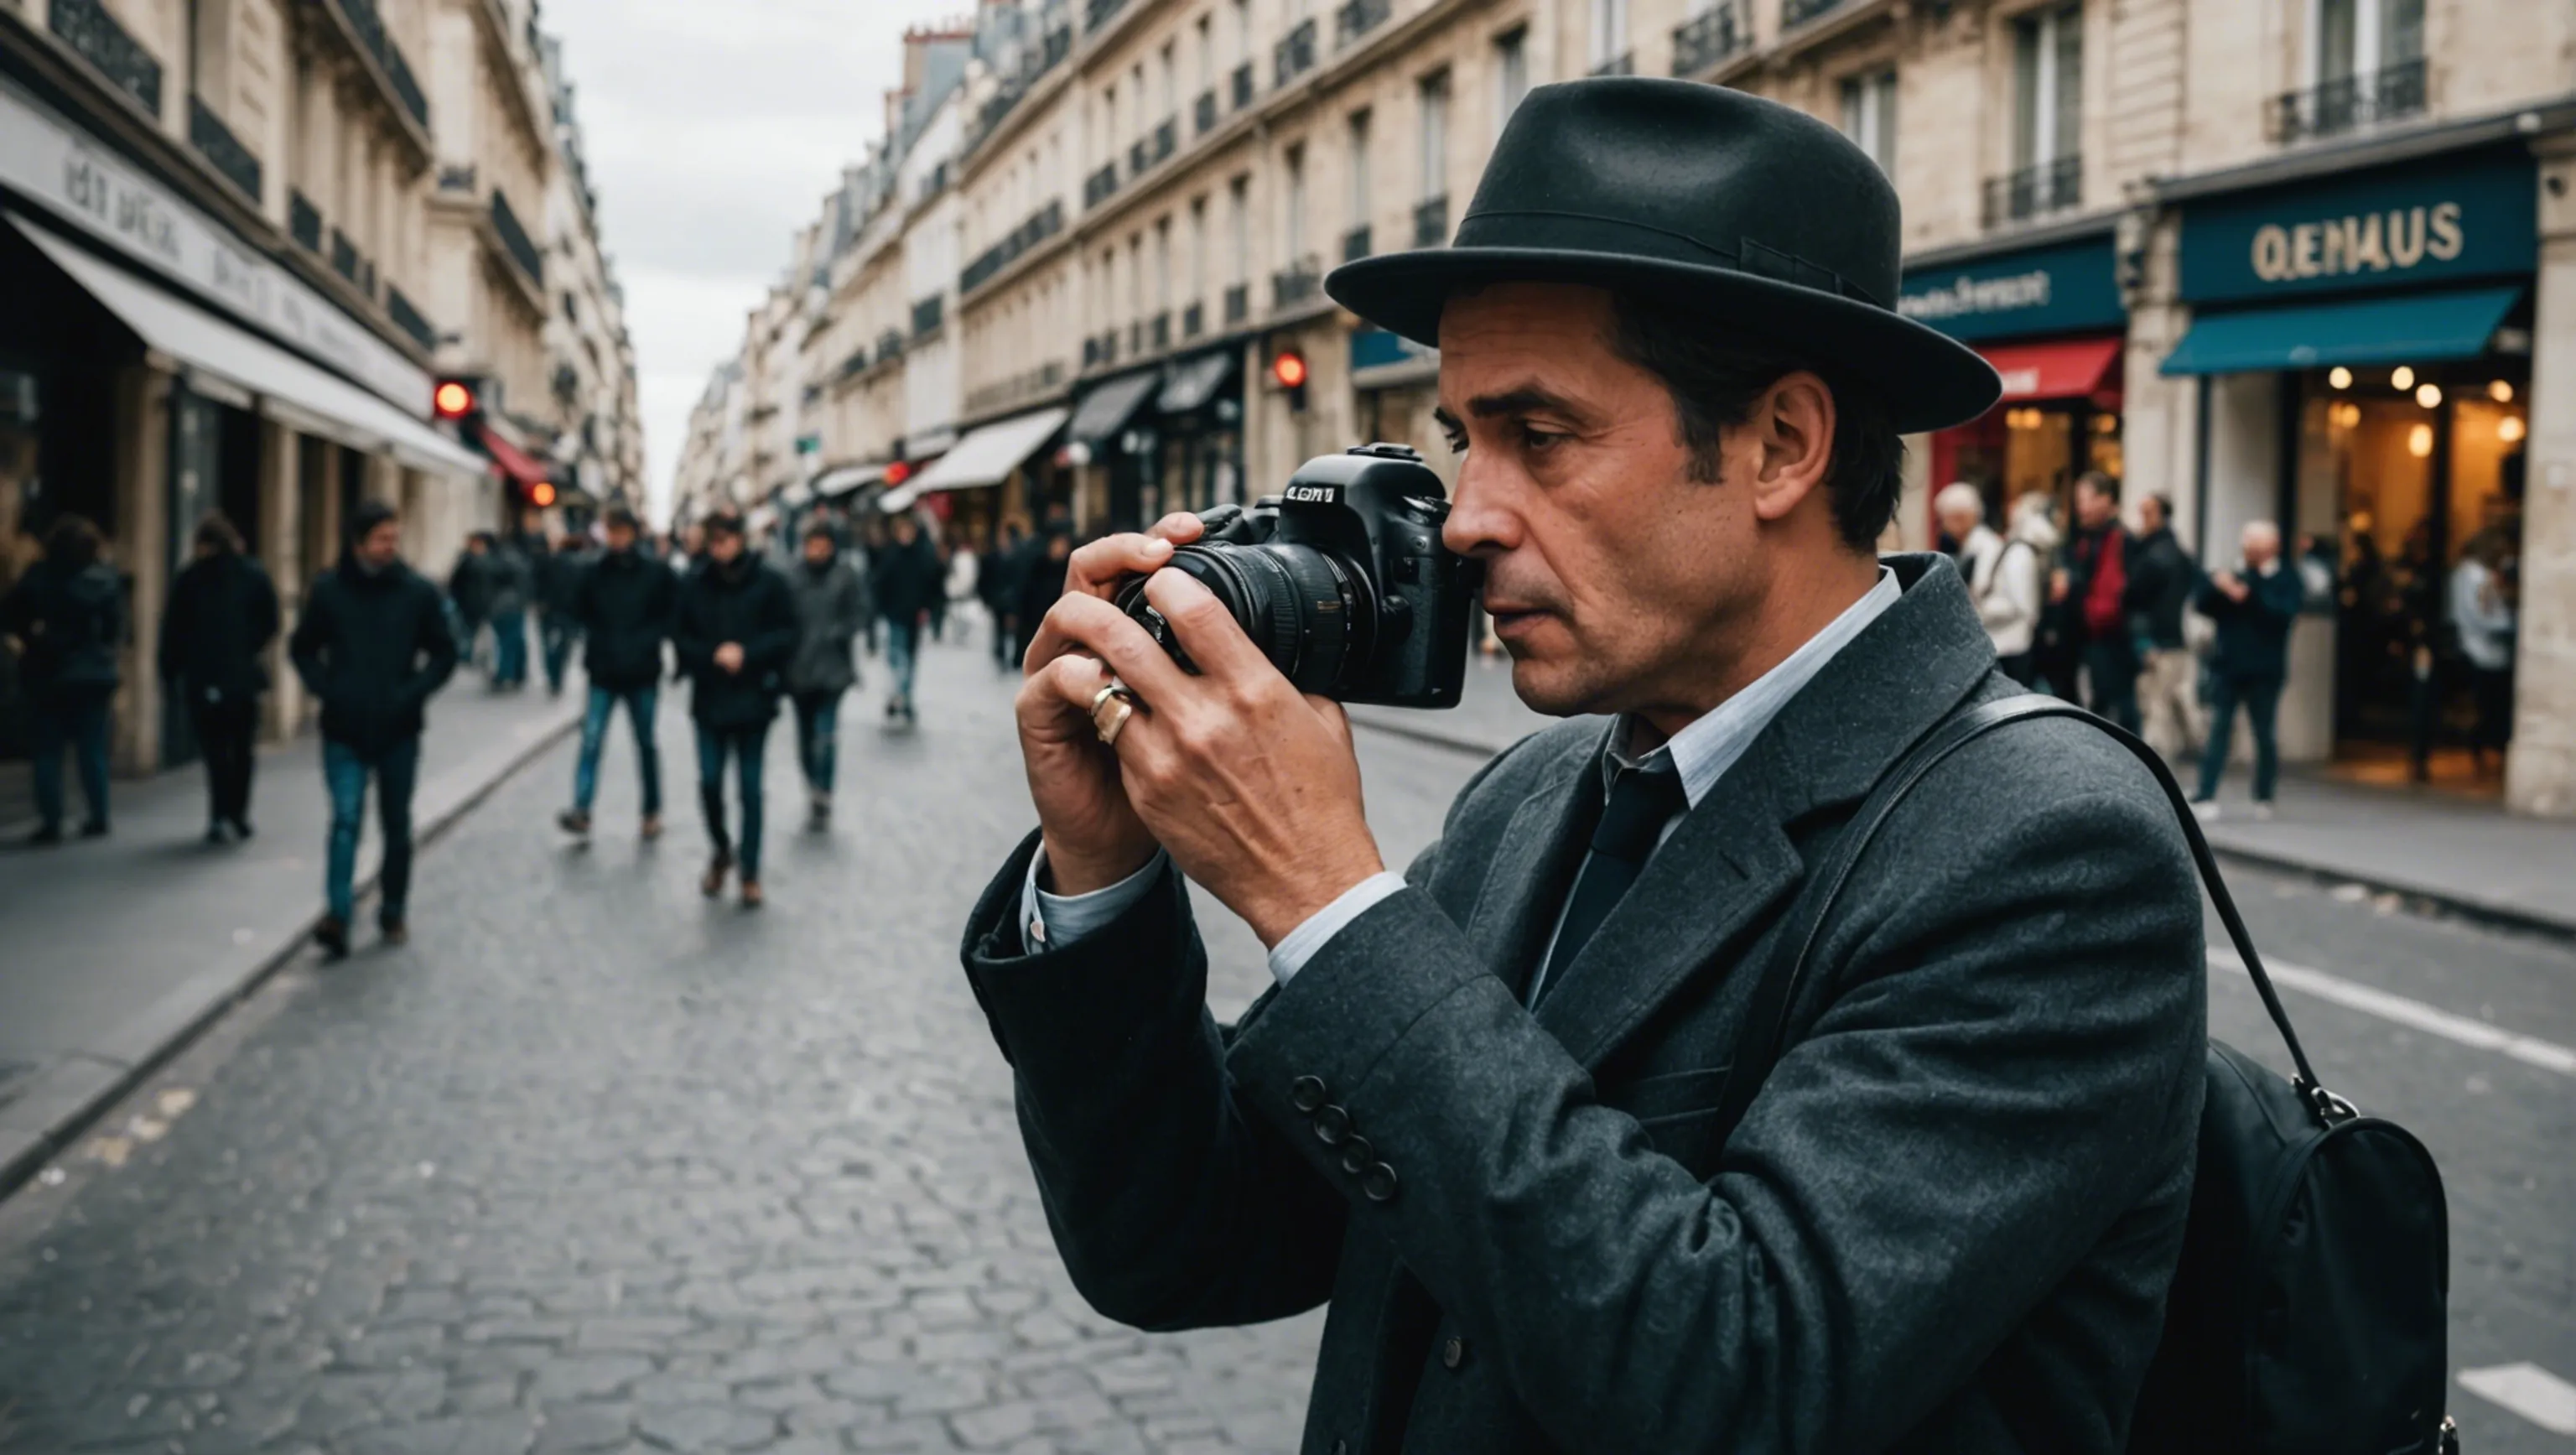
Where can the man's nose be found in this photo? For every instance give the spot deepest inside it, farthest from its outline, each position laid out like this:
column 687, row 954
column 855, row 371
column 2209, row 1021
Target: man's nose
column 1480, row 520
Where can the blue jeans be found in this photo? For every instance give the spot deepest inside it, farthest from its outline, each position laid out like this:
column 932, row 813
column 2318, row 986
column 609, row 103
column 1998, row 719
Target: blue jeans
column 74, row 718
column 396, row 773
column 745, row 745
column 903, row 645
column 818, row 717
column 509, row 648
column 594, row 731
column 559, row 635
column 2261, row 697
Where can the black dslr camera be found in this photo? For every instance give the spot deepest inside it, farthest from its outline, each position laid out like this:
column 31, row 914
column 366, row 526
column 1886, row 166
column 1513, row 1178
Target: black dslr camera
column 1340, row 579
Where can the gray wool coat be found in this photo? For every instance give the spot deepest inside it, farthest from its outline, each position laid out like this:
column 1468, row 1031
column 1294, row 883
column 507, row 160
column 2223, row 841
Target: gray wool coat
column 1946, row 1224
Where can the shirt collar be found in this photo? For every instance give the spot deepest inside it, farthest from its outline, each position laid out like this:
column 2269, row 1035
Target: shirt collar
column 1703, row 751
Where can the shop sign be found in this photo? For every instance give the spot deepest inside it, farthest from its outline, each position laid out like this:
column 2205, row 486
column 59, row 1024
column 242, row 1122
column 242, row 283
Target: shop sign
column 79, row 181
column 2067, row 288
column 2445, row 219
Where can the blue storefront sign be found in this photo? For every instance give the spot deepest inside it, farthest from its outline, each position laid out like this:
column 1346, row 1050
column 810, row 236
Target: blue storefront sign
column 2419, row 224
column 2062, row 288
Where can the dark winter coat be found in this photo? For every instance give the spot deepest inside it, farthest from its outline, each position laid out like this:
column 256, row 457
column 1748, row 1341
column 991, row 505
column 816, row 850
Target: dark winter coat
column 558, row 577
column 2161, row 580
column 745, row 603
column 221, row 618
column 1946, row 1224
column 72, row 623
column 514, row 581
column 831, row 610
column 624, row 603
column 2253, row 639
column 372, row 646
column 1041, row 582
column 469, row 585
column 906, row 580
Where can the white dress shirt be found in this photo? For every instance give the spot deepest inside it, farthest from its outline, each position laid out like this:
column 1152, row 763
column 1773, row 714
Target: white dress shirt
column 1701, row 753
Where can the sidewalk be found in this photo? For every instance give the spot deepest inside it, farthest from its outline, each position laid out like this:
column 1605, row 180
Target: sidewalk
column 2469, row 857
column 114, row 952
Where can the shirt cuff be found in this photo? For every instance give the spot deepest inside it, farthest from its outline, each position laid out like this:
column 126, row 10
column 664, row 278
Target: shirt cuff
column 1053, row 921
column 1300, row 944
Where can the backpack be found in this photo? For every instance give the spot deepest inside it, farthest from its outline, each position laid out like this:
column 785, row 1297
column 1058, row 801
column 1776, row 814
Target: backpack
column 2307, row 1314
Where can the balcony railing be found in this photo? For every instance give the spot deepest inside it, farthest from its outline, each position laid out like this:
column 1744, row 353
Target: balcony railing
column 514, row 238
column 216, row 142
column 1100, row 186
column 1357, row 18
column 1238, row 304
column 410, row 319
column 2035, row 191
column 1097, row 13
column 1042, row 224
column 1622, row 64
column 95, row 37
column 1203, row 111
column 344, row 255
column 458, row 177
column 1167, row 138
column 2348, row 103
column 1355, row 244
column 1295, row 54
column 379, row 43
column 1244, row 85
column 1296, row 283
column 927, row 314
column 889, row 346
column 1799, row 12
column 1707, row 40
column 1194, row 320
column 1431, row 222
column 303, row 221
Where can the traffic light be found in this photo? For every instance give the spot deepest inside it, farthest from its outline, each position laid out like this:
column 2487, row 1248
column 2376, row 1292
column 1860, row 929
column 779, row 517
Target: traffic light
column 453, row 399
column 897, row 473
column 1288, row 371
column 542, row 494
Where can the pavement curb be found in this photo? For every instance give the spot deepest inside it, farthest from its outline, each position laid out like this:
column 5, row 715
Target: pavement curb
column 88, row 1087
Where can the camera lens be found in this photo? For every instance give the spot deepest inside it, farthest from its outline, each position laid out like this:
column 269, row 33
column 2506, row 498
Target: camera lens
column 1311, row 614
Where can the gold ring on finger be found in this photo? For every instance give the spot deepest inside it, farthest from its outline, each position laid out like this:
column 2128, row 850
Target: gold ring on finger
column 1117, row 722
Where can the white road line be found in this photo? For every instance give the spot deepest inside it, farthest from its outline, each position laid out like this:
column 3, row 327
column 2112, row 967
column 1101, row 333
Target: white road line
column 2529, row 1391
column 2413, row 1014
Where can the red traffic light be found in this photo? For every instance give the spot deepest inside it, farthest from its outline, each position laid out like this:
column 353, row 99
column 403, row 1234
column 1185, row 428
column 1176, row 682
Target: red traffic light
column 1289, row 368
column 897, row 473
column 452, row 399
column 541, row 494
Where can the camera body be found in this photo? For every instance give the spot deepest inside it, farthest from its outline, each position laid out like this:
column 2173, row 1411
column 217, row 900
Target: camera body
column 1340, row 579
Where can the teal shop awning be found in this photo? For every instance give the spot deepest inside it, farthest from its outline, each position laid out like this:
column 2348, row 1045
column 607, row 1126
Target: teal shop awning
column 2414, row 328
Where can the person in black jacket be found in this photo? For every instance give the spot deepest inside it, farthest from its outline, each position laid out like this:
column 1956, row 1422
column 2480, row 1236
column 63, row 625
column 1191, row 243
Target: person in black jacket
column 372, row 646
column 67, row 615
column 735, row 632
column 997, row 581
column 1040, row 582
column 222, row 615
column 622, row 605
column 470, row 584
column 559, row 573
column 2254, row 606
column 906, row 578
column 2162, row 580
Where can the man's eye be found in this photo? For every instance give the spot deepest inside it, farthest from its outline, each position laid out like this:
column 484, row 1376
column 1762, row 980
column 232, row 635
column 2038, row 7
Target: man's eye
column 1540, row 439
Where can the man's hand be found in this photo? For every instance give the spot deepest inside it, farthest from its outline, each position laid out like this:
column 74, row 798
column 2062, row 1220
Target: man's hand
column 1252, row 786
column 729, row 657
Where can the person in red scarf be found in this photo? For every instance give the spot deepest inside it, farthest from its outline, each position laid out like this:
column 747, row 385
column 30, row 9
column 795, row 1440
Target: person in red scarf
column 2097, row 568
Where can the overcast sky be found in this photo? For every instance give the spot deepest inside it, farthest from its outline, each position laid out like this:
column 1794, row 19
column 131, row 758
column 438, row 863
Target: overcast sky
column 714, row 127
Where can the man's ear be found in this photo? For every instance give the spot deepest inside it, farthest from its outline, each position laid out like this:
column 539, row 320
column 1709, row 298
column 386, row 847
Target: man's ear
column 1793, row 423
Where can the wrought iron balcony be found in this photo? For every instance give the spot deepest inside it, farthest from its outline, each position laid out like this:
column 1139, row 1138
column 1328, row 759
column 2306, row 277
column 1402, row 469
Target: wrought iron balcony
column 303, row 221
column 889, row 346
column 928, row 313
column 1622, row 64
column 216, row 142
column 1357, row 18
column 1100, row 186
column 1431, row 222
column 344, row 255
column 379, row 43
column 523, row 250
column 1296, row 283
column 95, row 37
column 1167, row 137
column 1203, row 111
column 1238, row 304
column 1244, row 85
column 1097, row 13
column 1799, row 12
column 410, row 319
column 458, row 177
column 1194, row 320
column 1295, row 54
column 1355, row 243
column 1707, row 40
column 2035, row 191
column 1057, row 45
column 2348, row 103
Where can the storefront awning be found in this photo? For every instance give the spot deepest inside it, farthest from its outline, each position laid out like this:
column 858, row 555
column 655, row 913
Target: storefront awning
column 514, row 462
column 2073, row 369
column 1195, row 382
column 1105, row 410
column 985, row 457
column 287, row 388
column 839, row 482
column 2411, row 328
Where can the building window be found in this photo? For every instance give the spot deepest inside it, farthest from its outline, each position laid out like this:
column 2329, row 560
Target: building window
column 1511, row 71
column 1198, row 248
column 1869, row 116
column 1207, row 51
column 2048, row 86
column 1243, row 32
column 1434, row 135
column 1296, row 219
column 1359, row 169
column 2361, row 38
column 1163, row 264
column 1238, row 227
column 1609, row 32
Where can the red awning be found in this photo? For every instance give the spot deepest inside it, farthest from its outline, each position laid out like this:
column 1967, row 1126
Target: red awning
column 515, row 463
column 2071, row 370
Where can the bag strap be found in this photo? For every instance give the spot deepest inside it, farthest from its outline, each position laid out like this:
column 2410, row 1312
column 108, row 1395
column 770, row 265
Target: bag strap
column 1761, row 1041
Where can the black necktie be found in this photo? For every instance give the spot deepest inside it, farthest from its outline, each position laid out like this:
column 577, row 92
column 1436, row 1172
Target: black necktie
column 1641, row 802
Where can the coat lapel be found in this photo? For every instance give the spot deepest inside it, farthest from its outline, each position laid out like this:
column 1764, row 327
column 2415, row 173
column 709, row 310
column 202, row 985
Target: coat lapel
column 1534, row 865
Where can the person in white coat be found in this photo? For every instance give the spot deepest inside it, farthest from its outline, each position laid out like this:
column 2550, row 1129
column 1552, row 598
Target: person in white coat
column 2002, row 575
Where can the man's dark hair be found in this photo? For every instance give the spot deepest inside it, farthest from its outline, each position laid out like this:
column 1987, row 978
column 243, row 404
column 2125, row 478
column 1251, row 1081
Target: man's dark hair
column 1714, row 378
column 722, row 523
column 369, row 514
column 821, row 529
column 215, row 532
column 71, row 543
column 618, row 517
column 2106, row 486
column 2164, row 506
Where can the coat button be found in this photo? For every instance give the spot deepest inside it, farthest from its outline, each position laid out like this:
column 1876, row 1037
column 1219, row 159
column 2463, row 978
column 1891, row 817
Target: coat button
column 1453, row 1353
column 1332, row 1124
column 1379, row 1183
column 1357, row 1154
column 1306, row 1093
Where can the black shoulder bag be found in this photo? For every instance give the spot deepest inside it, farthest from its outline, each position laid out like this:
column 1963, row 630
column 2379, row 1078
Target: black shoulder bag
column 2307, row 1316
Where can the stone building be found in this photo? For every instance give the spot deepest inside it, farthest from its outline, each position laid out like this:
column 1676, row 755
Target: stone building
column 596, row 431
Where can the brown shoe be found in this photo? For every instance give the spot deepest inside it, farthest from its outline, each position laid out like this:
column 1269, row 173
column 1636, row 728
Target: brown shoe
column 652, row 828
column 395, row 929
column 712, row 882
column 752, row 898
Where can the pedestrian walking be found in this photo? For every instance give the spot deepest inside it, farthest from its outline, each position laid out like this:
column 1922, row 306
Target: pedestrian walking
column 559, row 573
column 2482, row 622
column 371, row 646
column 470, row 583
column 221, row 618
column 997, row 585
column 735, row 634
column 831, row 606
column 66, row 616
column 2002, row 576
column 514, row 589
column 906, row 577
column 2253, row 606
column 623, row 605
column 1040, row 583
column 2163, row 578
column 2097, row 588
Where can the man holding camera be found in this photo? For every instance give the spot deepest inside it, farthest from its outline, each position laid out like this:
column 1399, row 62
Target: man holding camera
column 1478, row 1114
